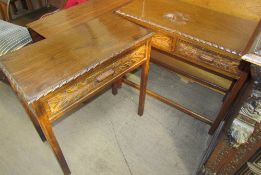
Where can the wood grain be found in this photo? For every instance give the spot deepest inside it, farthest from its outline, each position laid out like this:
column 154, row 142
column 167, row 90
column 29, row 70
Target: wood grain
column 67, row 19
column 70, row 54
column 250, row 9
column 205, row 24
column 62, row 98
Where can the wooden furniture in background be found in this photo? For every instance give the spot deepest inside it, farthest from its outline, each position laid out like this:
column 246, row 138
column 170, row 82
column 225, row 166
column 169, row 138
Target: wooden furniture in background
column 90, row 54
column 238, row 145
column 24, row 4
column 4, row 9
column 252, row 166
column 240, row 142
column 56, row 3
column 5, row 6
column 67, row 4
column 206, row 39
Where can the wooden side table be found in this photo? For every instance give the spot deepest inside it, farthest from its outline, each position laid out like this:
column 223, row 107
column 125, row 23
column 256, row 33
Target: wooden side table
column 74, row 66
column 207, row 40
column 238, row 144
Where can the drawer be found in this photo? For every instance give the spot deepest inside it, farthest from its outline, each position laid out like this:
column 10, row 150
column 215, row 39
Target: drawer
column 206, row 58
column 80, row 88
column 162, row 42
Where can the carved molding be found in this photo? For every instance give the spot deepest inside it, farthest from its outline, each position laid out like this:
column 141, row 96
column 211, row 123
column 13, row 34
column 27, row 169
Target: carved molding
column 179, row 33
column 240, row 132
column 249, row 115
column 227, row 159
column 252, row 108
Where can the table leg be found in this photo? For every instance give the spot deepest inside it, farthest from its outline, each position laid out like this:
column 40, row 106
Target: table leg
column 144, row 79
column 37, row 126
column 229, row 100
column 114, row 89
column 4, row 10
column 116, row 85
column 50, row 137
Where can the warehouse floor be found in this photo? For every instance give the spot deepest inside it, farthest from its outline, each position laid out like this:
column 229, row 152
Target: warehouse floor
column 106, row 136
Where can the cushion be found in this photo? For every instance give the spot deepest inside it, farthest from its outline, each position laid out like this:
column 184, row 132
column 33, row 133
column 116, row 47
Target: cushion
column 12, row 37
column 71, row 3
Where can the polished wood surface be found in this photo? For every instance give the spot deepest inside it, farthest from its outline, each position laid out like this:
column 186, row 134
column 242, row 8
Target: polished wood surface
column 60, row 72
column 69, row 54
column 202, row 23
column 201, row 37
column 248, row 9
column 70, row 18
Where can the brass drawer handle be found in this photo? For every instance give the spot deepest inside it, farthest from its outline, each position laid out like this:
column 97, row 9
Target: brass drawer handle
column 105, row 75
column 206, row 58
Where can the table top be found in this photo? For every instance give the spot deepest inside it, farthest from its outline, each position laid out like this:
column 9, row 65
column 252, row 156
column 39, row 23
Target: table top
column 69, row 18
column 42, row 67
column 194, row 22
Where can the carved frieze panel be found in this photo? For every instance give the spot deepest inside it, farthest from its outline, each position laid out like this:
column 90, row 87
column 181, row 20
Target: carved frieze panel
column 83, row 85
column 163, row 42
column 201, row 55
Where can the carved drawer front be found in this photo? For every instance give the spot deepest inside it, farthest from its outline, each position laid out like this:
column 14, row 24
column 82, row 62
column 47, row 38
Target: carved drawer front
column 202, row 56
column 84, row 85
column 162, row 42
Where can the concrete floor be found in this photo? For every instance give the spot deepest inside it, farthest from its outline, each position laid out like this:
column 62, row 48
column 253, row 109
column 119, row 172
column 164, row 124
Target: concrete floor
column 106, row 136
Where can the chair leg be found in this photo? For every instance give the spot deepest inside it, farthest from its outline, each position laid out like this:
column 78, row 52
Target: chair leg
column 13, row 5
column 4, row 11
